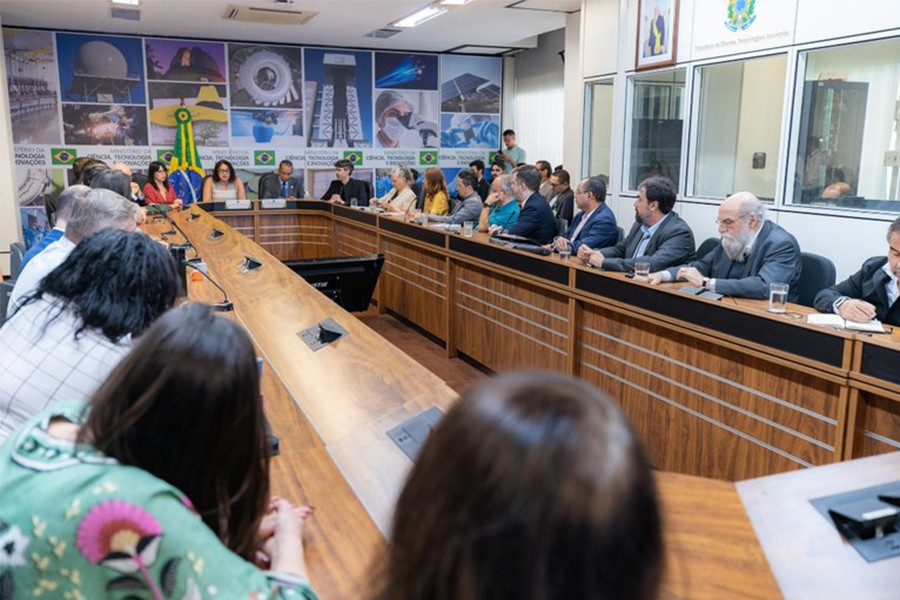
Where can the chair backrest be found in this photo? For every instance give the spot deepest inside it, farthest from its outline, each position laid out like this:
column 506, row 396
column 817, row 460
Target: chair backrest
column 707, row 246
column 16, row 253
column 6, row 288
column 561, row 226
column 620, row 234
column 818, row 273
column 262, row 180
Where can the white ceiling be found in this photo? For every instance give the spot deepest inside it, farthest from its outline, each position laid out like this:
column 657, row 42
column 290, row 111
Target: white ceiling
column 344, row 23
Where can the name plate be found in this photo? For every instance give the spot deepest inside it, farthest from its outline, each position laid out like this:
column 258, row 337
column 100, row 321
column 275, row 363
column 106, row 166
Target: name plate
column 274, row 203
column 238, row 204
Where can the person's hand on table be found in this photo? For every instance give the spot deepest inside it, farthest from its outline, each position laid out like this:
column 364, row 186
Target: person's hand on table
column 655, row 278
column 691, row 275
column 858, row 311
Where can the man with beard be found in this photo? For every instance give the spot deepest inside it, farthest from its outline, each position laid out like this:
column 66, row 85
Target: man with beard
column 753, row 254
column 658, row 234
column 871, row 292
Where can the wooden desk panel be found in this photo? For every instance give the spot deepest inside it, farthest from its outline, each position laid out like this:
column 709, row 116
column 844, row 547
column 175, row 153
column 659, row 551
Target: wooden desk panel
column 875, row 396
column 414, row 283
column 704, row 409
column 293, row 236
column 508, row 324
column 805, row 551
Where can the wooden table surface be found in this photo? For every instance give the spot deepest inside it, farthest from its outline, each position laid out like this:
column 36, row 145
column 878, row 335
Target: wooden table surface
column 331, row 409
column 806, row 553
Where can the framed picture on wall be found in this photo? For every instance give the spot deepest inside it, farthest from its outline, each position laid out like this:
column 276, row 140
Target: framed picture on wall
column 657, row 33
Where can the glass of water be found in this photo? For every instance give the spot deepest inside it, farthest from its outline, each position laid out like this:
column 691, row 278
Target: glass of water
column 642, row 270
column 563, row 246
column 778, row 294
column 468, row 228
column 354, row 202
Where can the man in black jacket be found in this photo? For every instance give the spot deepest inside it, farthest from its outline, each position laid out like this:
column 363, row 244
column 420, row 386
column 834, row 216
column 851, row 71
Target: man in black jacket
column 344, row 189
column 871, row 292
column 483, row 188
column 536, row 219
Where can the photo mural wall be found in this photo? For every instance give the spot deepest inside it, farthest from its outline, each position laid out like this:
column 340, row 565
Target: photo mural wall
column 114, row 97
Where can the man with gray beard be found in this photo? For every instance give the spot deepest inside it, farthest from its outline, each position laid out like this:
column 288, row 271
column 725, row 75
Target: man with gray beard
column 753, row 254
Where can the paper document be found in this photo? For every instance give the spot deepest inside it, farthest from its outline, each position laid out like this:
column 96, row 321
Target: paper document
column 873, row 326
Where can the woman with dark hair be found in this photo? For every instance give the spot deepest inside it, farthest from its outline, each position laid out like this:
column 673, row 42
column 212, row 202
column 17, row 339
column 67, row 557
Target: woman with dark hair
column 158, row 190
column 176, row 432
column 532, row 486
column 223, row 184
column 63, row 339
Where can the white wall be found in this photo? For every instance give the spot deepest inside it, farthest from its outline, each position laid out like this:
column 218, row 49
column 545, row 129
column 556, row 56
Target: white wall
column 573, row 122
column 861, row 234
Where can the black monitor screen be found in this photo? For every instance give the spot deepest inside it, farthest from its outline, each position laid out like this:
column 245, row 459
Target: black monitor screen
column 349, row 281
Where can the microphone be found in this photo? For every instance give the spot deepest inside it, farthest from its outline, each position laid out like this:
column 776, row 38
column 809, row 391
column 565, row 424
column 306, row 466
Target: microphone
column 225, row 305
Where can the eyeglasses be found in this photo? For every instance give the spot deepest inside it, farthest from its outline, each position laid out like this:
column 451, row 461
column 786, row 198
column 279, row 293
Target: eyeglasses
column 224, row 171
column 730, row 222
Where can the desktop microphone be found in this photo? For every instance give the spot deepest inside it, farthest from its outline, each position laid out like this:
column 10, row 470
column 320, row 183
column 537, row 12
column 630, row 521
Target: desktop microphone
column 225, row 305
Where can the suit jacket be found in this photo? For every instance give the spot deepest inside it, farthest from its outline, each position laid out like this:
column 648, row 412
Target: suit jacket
column 564, row 206
column 271, row 187
column 355, row 188
column 483, row 188
column 536, row 221
column 866, row 284
column 775, row 259
column 599, row 230
column 671, row 244
column 467, row 209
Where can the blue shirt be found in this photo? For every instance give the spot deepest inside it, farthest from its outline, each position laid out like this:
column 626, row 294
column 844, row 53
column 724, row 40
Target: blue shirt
column 48, row 238
column 504, row 215
column 648, row 233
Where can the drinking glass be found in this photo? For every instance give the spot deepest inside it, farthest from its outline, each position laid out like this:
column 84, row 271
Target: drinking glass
column 642, row 270
column 778, row 294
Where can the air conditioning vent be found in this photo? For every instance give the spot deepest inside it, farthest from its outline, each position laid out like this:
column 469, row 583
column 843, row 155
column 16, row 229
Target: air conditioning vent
column 383, row 33
column 129, row 14
column 268, row 16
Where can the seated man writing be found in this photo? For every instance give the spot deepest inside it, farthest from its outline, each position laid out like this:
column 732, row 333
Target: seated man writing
column 753, row 254
column 658, row 234
column 871, row 292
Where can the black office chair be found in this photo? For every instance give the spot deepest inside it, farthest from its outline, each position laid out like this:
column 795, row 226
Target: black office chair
column 262, row 180
column 6, row 288
column 620, row 234
column 707, row 246
column 16, row 253
column 561, row 226
column 818, row 273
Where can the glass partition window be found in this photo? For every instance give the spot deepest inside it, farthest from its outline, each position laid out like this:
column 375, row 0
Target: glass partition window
column 657, row 118
column 848, row 152
column 599, row 130
column 739, row 108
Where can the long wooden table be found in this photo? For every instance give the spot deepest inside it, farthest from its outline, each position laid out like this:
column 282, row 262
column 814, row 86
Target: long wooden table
column 332, row 409
column 717, row 389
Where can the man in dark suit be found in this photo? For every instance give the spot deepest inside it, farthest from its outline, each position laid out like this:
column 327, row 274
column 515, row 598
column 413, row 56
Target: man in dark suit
column 536, row 219
column 285, row 185
column 871, row 292
column 753, row 254
column 658, row 234
column 562, row 202
column 595, row 225
column 344, row 189
column 483, row 188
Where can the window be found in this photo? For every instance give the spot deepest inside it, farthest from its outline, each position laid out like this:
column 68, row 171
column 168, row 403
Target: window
column 657, row 116
column 739, row 108
column 848, row 152
column 599, row 119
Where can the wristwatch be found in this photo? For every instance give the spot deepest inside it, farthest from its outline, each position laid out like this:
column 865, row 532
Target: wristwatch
column 837, row 304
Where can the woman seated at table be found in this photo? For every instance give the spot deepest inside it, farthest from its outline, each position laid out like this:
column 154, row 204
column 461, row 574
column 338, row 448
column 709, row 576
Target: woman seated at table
column 401, row 198
column 63, row 339
column 159, row 486
column 158, row 190
column 435, row 192
column 532, row 486
column 223, row 184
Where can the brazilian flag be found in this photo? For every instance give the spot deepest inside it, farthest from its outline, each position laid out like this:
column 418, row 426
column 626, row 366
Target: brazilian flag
column 185, row 171
column 354, row 156
column 263, row 158
column 63, row 156
column 492, row 156
column 164, row 156
column 428, row 157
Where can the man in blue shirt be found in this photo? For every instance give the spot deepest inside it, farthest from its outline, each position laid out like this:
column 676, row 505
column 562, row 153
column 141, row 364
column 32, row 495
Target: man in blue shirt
column 500, row 209
column 64, row 203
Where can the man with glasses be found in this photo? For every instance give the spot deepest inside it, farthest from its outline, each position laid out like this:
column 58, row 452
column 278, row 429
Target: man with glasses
column 562, row 200
column 753, row 254
column 595, row 225
column 500, row 210
column 284, row 186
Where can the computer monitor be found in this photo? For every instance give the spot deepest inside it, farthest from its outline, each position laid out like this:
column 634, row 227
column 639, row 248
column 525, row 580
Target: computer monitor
column 348, row 280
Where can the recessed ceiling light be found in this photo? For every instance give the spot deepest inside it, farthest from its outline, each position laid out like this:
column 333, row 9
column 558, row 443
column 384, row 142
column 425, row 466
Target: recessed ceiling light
column 455, row 2
column 127, row 2
column 419, row 17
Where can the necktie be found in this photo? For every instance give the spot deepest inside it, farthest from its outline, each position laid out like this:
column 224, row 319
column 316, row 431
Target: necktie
column 284, row 189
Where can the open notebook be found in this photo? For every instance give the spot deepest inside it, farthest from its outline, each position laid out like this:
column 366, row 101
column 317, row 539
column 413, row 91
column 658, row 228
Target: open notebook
column 873, row 326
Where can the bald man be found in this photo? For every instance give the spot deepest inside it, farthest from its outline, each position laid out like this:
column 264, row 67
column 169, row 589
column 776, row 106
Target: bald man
column 753, row 254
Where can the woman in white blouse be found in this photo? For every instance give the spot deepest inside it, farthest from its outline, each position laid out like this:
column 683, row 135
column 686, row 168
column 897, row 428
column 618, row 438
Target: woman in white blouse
column 401, row 198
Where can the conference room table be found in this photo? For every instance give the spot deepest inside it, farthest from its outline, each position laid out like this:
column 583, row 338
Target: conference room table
column 331, row 409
